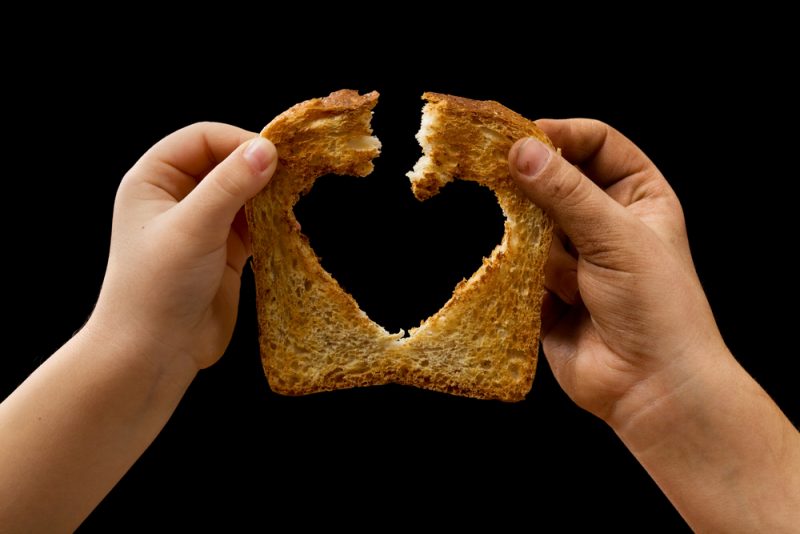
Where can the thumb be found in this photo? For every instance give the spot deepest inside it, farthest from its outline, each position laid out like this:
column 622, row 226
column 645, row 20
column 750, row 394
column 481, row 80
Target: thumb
column 592, row 220
column 212, row 206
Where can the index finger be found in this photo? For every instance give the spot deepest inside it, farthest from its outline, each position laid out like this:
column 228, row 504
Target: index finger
column 602, row 153
column 175, row 165
column 198, row 148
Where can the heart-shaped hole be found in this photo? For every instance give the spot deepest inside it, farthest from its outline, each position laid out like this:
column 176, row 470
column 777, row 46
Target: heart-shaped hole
column 398, row 257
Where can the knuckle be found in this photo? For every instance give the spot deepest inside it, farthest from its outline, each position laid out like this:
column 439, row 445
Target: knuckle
column 201, row 125
column 601, row 130
column 568, row 188
column 597, row 124
column 228, row 185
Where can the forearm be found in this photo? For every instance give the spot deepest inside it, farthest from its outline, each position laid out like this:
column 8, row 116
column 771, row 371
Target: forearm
column 721, row 450
column 78, row 423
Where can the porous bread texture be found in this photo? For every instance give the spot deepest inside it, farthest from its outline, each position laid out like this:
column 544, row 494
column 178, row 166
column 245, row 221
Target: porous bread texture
column 314, row 337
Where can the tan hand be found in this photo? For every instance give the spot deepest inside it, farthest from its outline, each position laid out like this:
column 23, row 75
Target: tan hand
column 626, row 304
column 179, row 240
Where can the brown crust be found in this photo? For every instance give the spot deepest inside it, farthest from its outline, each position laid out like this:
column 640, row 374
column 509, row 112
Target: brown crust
column 314, row 337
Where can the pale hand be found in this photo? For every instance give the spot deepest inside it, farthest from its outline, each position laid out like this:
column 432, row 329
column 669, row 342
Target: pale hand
column 167, row 308
column 178, row 247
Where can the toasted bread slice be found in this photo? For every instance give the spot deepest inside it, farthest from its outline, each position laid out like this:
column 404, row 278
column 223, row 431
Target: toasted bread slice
column 314, row 337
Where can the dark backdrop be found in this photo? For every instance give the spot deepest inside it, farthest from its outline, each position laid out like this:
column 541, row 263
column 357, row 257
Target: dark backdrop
column 234, row 452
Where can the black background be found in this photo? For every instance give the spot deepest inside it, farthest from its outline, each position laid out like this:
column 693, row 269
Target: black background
column 237, row 454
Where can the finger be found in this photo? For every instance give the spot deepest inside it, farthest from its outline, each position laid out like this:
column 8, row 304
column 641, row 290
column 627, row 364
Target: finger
column 561, row 339
column 211, row 207
column 553, row 309
column 561, row 272
column 174, row 165
column 594, row 222
column 198, row 148
column 237, row 252
column 242, row 231
column 601, row 152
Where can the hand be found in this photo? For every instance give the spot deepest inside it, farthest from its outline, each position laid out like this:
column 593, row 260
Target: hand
column 631, row 338
column 625, row 315
column 179, row 240
column 167, row 308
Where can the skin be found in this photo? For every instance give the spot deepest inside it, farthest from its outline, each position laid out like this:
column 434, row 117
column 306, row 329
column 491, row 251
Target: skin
column 630, row 336
column 167, row 309
column 627, row 331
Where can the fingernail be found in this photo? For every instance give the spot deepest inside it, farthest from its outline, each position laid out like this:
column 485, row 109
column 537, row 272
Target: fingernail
column 532, row 156
column 260, row 153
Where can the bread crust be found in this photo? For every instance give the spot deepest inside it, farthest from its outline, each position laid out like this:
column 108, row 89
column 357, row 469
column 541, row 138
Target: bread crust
column 314, row 337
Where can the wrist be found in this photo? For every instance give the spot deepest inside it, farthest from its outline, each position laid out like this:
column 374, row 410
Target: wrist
column 656, row 408
column 717, row 446
column 132, row 346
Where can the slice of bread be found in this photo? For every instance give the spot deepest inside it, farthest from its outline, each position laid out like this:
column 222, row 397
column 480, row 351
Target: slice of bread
column 314, row 337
